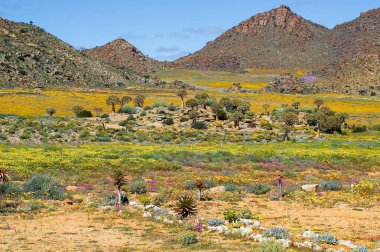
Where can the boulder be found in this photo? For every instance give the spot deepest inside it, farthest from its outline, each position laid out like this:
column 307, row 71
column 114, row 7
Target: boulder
column 310, row 187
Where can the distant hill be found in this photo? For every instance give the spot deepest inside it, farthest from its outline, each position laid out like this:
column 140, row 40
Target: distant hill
column 345, row 59
column 121, row 53
column 29, row 56
column 275, row 39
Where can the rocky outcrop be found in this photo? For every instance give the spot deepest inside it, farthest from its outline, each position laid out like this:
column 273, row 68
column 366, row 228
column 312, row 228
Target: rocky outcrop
column 289, row 84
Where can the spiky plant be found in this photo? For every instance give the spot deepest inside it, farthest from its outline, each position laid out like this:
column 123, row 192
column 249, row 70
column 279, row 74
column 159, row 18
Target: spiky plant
column 119, row 181
column 185, row 206
column 4, row 176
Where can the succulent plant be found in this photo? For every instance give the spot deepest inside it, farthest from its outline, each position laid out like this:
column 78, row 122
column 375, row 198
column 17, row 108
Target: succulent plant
column 326, row 239
column 188, row 238
column 231, row 216
column 185, row 206
column 215, row 222
column 360, row 249
column 277, row 233
column 4, row 176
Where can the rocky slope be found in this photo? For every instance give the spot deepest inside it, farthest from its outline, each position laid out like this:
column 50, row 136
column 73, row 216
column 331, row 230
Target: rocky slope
column 29, row 56
column 121, row 53
column 275, row 39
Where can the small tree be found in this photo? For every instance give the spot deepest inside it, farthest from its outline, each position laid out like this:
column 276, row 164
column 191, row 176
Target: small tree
column 51, row 111
column 125, row 100
column 139, row 101
column 182, row 94
column 296, row 105
column 266, row 109
column 237, row 117
column 77, row 110
column 202, row 99
column 98, row 111
column 112, row 100
column 193, row 115
column 192, row 103
column 319, row 103
column 290, row 119
column 218, row 110
column 119, row 181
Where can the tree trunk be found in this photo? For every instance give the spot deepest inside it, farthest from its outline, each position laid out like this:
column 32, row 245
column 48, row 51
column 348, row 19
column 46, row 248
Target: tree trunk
column 318, row 131
column 280, row 188
column 104, row 126
column 119, row 196
column 113, row 108
column 183, row 103
column 199, row 195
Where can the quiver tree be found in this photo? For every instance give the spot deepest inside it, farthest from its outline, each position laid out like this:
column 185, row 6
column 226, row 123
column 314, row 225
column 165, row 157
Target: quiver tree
column 192, row 103
column 112, row 100
column 289, row 119
column 202, row 99
column 119, row 181
column 237, row 117
column 182, row 94
column 139, row 101
column 125, row 100
column 318, row 103
column 51, row 111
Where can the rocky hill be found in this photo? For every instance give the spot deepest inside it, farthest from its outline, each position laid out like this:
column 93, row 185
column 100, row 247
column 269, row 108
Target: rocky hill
column 29, row 56
column 275, row 39
column 121, row 53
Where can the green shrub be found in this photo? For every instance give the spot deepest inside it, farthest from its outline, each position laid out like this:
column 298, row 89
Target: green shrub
column 215, row 222
column 231, row 188
column 326, row 239
column 231, row 216
column 258, row 189
column 25, row 135
column 188, row 238
column 246, row 214
column 105, row 116
column 168, row 121
column 128, row 110
column 44, row 186
column 277, row 233
column 199, row 125
column 267, row 126
column 143, row 113
column 138, row 187
column 359, row 129
column 269, row 246
column 84, row 114
column 10, row 188
column 330, row 185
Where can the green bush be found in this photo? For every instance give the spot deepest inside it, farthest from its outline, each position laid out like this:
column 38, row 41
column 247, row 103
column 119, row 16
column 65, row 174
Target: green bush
column 138, row 187
column 359, row 129
column 199, row 125
column 330, row 185
column 44, row 186
column 10, row 188
column 215, row 222
column 277, row 233
column 105, row 116
column 84, row 114
column 128, row 110
column 188, row 238
column 231, row 216
column 231, row 188
column 143, row 113
column 269, row 246
column 258, row 189
column 326, row 239
column 168, row 121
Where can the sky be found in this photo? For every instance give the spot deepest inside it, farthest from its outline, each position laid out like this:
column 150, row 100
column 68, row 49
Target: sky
column 164, row 29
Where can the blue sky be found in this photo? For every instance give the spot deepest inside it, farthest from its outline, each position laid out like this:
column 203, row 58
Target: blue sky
column 164, row 29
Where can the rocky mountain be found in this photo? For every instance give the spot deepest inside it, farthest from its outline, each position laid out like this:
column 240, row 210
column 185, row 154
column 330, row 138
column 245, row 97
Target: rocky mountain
column 275, row 39
column 29, row 56
column 121, row 53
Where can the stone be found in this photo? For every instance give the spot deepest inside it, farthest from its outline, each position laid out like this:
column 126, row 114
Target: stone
column 284, row 242
column 317, row 248
column 256, row 224
column 246, row 221
column 310, row 187
column 217, row 189
column 147, row 215
column 221, row 228
column 347, row 243
column 308, row 234
column 106, row 208
column 147, row 207
column 245, row 231
column 133, row 203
